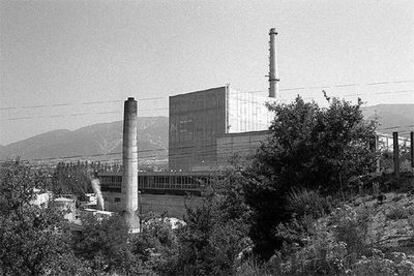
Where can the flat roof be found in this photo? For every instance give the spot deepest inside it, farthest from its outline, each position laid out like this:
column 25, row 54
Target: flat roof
column 247, row 133
column 198, row 91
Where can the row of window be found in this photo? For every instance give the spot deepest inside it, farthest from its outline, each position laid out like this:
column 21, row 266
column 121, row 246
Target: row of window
column 116, row 199
column 158, row 182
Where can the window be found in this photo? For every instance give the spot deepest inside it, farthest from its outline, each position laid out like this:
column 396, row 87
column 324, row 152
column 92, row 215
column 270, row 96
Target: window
column 117, row 199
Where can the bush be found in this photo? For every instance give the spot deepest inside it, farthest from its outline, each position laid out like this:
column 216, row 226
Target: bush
column 304, row 202
column 396, row 213
column 398, row 197
column 310, row 147
column 377, row 264
column 322, row 255
column 352, row 229
column 253, row 268
column 157, row 245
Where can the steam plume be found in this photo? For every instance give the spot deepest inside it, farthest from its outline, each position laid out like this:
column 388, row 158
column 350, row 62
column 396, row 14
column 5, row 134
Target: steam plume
column 96, row 186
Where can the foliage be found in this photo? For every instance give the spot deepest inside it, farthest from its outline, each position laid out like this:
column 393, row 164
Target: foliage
column 157, row 245
column 396, row 213
column 352, row 229
column 216, row 232
column 104, row 244
column 378, row 264
column 309, row 147
column 33, row 240
column 303, row 202
column 387, row 160
column 252, row 267
column 329, row 246
column 74, row 178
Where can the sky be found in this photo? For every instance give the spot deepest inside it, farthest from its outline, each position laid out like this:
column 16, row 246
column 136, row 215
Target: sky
column 69, row 64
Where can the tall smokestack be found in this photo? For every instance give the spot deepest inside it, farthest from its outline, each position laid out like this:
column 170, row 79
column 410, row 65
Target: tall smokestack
column 130, row 165
column 273, row 79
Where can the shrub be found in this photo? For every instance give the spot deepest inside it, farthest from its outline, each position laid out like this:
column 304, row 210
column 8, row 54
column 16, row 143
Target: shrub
column 377, row 264
column 352, row 228
column 308, row 146
column 304, row 202
column 398, row 197
column 253, row 268
column 322, row 255
column 396, row 213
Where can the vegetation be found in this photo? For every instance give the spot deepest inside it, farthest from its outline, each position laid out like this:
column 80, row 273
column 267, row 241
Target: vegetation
column 32, row 240
column 309, row 147
column 306, row 206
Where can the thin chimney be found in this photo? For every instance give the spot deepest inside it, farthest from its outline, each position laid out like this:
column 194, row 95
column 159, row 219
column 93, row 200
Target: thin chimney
column 130, row 164
column 273, row 78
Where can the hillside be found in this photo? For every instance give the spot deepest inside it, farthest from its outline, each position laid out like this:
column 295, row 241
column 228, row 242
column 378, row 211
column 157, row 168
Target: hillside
column 152, row 136
column 391, row 115
column 93, row 140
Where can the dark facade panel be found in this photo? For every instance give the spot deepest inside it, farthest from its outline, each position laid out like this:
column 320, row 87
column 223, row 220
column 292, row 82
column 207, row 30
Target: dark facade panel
column 196, row 120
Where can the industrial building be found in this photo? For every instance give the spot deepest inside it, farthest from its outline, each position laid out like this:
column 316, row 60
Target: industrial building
column 204, row 124
column 206, row 128
column 158, row 191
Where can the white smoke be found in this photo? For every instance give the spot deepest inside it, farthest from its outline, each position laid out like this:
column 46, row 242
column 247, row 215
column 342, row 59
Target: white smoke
column 96, row 186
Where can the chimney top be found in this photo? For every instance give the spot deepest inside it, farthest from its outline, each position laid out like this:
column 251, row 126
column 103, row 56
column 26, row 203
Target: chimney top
column 131, row 99
column 272, row 31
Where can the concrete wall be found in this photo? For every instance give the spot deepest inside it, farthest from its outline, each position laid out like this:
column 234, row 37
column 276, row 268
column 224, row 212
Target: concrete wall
column 199, row 118
column 247, row 112
column 174, row 205
column 243, row 144
column 196, row 120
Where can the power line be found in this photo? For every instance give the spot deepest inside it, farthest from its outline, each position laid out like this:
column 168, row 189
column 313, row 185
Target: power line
column 165, row 108
column 394, row 127
column 213, row 149
column 76, row 103
column 255, row 91
column 139, row 151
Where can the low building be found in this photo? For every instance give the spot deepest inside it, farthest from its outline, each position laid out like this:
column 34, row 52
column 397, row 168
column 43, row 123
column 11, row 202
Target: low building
column 158, row 191
column 41, row 198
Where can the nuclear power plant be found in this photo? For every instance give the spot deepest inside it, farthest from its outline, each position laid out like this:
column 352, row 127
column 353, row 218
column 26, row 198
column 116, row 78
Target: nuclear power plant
column 206, row 129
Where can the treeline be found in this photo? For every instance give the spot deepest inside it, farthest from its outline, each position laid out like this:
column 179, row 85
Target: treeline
column 74, row 178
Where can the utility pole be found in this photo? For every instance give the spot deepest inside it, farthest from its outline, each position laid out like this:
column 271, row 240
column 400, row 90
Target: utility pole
column 412, row 148
column 378, row 169
column 396, row 154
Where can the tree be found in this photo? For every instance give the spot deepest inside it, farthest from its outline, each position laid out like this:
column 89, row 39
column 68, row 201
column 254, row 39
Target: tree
column 105, row 245
column 33, row 240
column 157, row 244
column 309, row 147
column 216, row 231
column 71, row 178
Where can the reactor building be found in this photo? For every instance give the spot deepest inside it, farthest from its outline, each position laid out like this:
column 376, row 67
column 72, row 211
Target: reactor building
column 207, row 127
column 210, row 126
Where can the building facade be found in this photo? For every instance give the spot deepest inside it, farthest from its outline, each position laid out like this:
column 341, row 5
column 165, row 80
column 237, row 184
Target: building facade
column 198, row 119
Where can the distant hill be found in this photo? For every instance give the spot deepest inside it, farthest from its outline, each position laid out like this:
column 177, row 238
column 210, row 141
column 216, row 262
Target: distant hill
column 106, row 138
column 391, row 115
column 93, row 140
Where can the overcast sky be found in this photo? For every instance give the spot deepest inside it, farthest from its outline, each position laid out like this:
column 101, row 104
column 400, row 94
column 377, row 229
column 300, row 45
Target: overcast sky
column 75, row 52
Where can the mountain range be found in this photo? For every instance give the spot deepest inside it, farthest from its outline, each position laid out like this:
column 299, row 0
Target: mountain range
column 392, row 117
column 104, row 141
column 97, row 142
